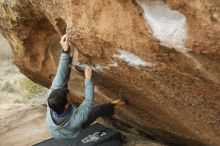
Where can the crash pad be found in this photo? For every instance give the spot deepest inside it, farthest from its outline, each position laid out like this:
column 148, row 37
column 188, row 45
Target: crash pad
column 94, row 135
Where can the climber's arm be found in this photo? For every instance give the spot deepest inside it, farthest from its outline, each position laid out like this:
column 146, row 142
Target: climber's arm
column 85, row 107
column 82, row 113
column 63, row 70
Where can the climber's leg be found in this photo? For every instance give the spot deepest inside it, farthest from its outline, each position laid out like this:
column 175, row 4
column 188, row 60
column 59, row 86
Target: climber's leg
column 104, row 110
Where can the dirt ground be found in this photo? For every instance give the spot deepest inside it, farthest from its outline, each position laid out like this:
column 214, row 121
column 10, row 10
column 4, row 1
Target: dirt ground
column 22, row 118
column 22, row 125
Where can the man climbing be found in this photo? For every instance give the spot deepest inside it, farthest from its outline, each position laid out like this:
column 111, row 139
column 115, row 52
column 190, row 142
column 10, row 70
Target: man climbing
column 63, row 119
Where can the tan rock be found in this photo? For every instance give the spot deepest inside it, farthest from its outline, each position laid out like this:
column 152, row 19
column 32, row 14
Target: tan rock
column 174, row 95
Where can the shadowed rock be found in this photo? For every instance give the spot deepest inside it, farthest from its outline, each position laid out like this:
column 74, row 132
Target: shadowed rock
column 173, row 94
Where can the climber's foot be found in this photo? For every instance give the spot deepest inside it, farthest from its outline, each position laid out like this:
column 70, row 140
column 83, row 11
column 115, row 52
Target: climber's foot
column 119, row 102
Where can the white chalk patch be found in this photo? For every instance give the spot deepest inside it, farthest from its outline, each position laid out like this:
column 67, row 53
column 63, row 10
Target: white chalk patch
column 132, row 59
column 169, row 26
column 127, row 56
column 96, row 67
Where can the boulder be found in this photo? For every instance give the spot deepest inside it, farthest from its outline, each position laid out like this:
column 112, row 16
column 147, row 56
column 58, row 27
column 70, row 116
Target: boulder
column 163, row 56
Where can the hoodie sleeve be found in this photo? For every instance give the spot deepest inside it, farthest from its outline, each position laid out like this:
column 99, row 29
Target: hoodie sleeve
column 85, row 108
column 63, row 73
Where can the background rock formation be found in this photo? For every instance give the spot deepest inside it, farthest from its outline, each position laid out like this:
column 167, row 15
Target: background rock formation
column 174, row 95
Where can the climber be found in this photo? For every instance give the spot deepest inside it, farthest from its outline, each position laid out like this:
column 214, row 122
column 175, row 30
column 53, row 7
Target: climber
column 64, row 120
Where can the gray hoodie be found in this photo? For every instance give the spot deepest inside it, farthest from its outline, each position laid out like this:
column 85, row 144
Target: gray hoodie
column 71, row 126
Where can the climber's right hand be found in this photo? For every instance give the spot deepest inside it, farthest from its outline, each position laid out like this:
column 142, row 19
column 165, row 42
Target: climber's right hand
column 88, row 72
column 64, row 42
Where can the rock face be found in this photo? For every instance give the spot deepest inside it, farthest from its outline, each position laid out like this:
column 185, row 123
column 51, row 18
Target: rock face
column 166, row 62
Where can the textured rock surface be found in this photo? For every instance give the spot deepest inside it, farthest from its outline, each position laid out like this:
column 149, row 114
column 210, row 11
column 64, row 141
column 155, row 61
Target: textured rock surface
column 174, row 96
